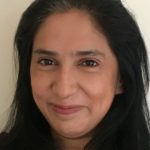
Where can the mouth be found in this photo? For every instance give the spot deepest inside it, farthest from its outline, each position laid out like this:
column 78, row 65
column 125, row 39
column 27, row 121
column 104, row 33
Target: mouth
column 66, row 110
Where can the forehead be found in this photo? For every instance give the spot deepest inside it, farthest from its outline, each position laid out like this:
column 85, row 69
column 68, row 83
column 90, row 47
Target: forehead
column 68, row 17
column 67, row 21
column 69, row 31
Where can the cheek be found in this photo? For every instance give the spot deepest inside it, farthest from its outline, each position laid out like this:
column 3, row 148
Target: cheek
column 101, row 92
column 39, row 85
column 100, row 86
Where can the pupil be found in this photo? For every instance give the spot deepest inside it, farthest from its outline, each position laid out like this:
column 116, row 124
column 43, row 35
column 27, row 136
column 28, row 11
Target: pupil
column 48, row 62
column 90, row 63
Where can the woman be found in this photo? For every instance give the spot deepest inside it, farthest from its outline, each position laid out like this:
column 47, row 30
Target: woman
column 82, row 80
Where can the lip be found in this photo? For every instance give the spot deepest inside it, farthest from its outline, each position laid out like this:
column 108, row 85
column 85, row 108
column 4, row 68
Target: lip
column 66, row 110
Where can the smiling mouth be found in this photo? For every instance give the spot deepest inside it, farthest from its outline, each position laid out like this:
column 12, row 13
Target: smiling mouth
column 66, row 110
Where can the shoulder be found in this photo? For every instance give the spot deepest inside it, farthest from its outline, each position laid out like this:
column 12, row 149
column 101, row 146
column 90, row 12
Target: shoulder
column 3, row 141
column 3, row 135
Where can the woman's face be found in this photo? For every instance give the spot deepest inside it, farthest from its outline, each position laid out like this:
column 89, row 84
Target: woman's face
column 74, row 73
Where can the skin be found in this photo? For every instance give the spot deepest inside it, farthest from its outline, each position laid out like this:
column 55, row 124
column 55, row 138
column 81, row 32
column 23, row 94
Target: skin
column 72, row 64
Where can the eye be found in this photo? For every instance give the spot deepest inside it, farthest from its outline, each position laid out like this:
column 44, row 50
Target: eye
column 46, row 62
column 89, row 63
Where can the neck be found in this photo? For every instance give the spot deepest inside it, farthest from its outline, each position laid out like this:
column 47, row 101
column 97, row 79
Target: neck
column 71, row 143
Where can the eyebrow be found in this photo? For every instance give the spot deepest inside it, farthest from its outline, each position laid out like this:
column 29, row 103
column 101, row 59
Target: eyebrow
column 91, row 52
column 45, row 52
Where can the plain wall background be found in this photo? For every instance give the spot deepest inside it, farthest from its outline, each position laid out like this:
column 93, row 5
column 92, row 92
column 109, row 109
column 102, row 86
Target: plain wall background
column 10, row 13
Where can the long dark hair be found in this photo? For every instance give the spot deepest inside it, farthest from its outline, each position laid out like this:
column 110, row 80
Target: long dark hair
column 127, row 124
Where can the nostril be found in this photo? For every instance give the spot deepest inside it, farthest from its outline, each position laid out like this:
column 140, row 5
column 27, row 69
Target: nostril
column 63, row 89
column 64, row 82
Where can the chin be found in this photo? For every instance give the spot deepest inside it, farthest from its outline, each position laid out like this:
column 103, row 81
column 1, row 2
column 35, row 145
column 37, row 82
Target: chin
column 73, row 134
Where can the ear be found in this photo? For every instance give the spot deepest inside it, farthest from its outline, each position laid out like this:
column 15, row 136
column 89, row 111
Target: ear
column 119, row 87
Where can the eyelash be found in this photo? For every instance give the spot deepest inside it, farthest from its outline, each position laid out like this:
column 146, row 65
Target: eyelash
column 86, row 62
column 89, row 63
column 46, row 62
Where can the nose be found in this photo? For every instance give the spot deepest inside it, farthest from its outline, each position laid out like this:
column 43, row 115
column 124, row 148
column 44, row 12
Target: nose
column 64, row 83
